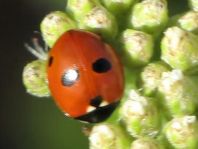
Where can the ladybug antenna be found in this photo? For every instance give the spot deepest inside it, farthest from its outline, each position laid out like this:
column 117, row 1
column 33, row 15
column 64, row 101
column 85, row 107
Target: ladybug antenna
column 37, row 50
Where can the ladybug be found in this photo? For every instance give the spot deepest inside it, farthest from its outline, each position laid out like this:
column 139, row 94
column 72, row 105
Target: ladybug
column 85, row 76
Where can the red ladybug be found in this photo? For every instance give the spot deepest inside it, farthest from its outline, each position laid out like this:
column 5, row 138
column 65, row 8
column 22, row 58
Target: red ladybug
column 85, row 76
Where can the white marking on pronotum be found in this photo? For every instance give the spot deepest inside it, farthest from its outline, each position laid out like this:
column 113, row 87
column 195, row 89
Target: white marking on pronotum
column 90, row 109
column 104, row 103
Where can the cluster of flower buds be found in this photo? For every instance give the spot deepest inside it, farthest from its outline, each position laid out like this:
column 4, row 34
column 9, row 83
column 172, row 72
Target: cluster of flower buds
column 159, row 53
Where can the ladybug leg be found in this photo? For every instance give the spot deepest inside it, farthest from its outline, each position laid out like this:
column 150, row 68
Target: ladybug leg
column 37, row 50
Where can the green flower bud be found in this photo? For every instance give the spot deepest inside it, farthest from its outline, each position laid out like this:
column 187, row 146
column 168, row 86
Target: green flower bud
column 140, row 115
column 138, row 47
column 118, row 6
column 180, row 49
column 173, row 20
column 79, row 8
column 150, row 16
column 182, row 132
column 131, row 76
column 163, row 141
column 106, row 136
column 35, row 78
column 189, row 21
column 100, row 21
column 145, row 143
column 179, row 93
column 54, row 25
column 193, row 4
column 92, row 16
column 151, row 76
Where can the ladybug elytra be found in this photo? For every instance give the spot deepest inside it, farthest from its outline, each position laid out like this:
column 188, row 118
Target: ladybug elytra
column 85, row 76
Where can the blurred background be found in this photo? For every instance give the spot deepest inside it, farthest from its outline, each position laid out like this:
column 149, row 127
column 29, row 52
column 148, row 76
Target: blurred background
column 27, row 122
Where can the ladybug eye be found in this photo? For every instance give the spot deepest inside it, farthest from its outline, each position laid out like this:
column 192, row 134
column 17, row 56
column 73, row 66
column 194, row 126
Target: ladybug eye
column 70, row 77
column 50, row 61
column 101, row 65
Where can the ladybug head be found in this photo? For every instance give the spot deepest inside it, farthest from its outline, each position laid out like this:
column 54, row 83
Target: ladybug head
column 100, row 113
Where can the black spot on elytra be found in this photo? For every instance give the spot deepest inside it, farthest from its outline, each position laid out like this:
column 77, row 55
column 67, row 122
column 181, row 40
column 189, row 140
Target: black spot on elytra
column 50, row 61
column 101, row 65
